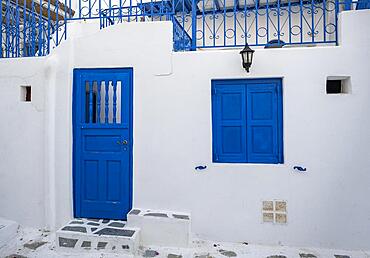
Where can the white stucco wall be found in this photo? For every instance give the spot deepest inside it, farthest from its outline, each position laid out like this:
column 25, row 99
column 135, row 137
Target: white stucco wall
column 328, row 134
column 22, row 129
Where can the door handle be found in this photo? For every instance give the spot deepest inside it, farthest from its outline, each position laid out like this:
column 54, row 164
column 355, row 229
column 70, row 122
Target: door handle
column 124, row 142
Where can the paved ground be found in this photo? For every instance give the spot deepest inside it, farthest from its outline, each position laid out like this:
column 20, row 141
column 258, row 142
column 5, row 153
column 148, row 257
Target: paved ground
column 34, row 243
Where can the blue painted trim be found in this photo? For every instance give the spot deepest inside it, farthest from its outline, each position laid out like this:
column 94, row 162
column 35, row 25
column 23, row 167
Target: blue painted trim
column 280, row 121
column 78, row 102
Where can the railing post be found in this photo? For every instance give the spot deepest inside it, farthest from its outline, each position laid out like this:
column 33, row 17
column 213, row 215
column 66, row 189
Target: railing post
column 1, row 29
column 336, row 21
column 193, row 25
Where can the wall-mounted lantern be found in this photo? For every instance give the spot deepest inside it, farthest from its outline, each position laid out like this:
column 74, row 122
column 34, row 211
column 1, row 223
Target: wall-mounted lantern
column 247, row 57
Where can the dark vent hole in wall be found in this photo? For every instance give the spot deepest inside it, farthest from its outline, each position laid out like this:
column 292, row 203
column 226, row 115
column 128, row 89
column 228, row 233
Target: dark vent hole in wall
column 26, row 93
column 338, row 85
column 334, row 86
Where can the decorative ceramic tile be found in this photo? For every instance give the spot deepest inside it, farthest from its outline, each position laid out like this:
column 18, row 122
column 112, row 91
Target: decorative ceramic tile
column 268, row 205
column 268, row 217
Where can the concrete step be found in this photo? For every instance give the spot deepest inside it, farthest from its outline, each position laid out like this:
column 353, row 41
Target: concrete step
column 8, row 230
column 161, row 228
column 111, row 236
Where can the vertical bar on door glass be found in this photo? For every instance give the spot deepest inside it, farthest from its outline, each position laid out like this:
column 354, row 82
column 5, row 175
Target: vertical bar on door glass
column 98, row 87
column 106, row 101
column 91, row 88
column 114, row 102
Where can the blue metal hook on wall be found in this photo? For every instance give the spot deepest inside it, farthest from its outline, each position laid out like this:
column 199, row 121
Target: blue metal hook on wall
column 200, row 167
column 300, row 169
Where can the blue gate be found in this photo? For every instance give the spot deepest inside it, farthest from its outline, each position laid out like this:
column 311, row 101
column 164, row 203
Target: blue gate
column 102, row 142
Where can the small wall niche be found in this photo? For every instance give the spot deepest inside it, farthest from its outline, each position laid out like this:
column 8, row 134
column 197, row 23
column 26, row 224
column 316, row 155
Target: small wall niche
column 338, row 85
column 26, row 94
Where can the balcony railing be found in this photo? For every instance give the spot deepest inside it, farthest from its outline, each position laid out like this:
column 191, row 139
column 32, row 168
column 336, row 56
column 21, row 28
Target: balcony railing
column 34, row 27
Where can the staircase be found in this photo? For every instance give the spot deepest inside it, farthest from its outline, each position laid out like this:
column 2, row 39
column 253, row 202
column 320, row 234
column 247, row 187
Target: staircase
column 143, row 228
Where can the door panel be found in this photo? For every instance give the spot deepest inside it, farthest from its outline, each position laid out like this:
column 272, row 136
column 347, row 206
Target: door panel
column 262, row 113
column 102, row 143
column 229, row 106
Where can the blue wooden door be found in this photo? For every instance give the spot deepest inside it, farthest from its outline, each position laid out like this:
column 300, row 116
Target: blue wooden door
column 102, row 143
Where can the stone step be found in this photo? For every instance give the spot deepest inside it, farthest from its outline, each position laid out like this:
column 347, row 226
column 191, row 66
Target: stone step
column 111, row 236
column 8, row 230
column 161, row 228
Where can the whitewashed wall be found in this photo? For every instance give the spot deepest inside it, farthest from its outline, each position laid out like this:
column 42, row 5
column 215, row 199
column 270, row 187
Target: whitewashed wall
column 22, row 142
column 328, row 134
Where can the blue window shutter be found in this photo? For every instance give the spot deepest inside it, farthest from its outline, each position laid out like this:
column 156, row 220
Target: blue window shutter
column 263, row 130
column 229, row 122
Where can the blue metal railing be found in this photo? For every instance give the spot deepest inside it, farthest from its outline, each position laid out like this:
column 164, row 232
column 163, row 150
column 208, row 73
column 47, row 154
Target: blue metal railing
column 230, row 23
column 34, row 27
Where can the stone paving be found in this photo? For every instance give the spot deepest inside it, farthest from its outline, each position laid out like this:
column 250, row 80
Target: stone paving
column 97, row 226
column 97, row 234
column 28, row 245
